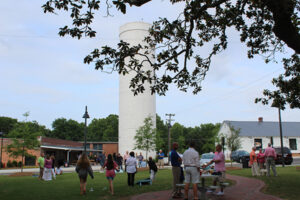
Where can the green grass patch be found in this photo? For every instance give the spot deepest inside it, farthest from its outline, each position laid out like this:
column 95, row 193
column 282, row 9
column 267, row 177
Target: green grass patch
column 286, row 185
column 66, row 186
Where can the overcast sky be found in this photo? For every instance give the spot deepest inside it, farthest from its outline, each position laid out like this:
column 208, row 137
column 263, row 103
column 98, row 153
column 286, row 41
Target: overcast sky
column 44, row 74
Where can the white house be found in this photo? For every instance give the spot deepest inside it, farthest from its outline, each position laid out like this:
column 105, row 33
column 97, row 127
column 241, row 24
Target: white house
column 260, row 133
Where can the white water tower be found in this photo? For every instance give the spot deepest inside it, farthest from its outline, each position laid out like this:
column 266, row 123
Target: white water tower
column 134, row 109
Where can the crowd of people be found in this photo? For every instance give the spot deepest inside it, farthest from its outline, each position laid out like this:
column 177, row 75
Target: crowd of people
column 49, row 168
column 185, row 168
column 261, row 161
column 192, row 170
column 110, row 163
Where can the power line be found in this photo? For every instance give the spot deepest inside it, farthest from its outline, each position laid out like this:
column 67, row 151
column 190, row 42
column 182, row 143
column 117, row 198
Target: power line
column 232, row 92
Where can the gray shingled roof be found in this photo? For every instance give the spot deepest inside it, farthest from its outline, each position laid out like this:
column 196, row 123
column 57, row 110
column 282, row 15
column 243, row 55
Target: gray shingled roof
column 255, row 128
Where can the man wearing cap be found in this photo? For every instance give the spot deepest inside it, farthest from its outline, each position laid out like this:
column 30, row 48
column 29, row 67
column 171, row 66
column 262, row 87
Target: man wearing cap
column 176, row 163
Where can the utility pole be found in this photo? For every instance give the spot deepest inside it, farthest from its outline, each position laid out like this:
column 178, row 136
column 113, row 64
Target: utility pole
column 169, row 134
column 1, row 134
column 281, row 140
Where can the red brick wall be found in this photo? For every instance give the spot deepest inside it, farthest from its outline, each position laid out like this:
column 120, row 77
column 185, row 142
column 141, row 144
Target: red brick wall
column 60, row 142
column 6, row 157
column 110, row 148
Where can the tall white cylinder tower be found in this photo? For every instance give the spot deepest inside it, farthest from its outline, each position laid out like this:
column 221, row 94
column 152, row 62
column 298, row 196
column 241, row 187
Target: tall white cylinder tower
column 134, row 109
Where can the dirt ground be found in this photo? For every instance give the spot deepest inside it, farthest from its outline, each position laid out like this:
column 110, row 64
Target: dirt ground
column 21, row 174
column 232, row 168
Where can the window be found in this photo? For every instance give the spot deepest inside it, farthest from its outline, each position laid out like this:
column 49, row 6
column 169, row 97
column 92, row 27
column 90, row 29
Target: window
column 87, row 146
column 293, row 144
column 97, row 146
column 258, row 143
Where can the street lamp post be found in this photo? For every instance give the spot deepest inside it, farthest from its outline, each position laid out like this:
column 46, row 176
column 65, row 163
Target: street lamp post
column 281, row 140
column 85, row 116
column 1, row 134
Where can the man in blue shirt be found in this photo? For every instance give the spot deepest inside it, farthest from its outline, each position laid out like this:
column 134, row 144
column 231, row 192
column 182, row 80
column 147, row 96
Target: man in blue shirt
column 161, row 156
column 176, row 171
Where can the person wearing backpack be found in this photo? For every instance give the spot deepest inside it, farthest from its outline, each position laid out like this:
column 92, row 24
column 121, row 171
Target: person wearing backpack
column 83, row 168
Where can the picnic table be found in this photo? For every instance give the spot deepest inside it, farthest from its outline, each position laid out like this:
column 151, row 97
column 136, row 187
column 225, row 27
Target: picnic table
column 202, row 187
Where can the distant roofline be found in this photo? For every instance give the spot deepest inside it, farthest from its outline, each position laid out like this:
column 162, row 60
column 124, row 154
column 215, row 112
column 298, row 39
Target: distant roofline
column 106, row 142
column 261, row 122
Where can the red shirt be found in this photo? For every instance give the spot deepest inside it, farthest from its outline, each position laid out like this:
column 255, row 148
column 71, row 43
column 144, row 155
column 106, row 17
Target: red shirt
column 261, row 157
column 111, row 172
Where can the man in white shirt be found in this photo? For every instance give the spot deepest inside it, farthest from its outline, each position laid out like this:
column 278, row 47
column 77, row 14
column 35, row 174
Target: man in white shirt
column 192, row 169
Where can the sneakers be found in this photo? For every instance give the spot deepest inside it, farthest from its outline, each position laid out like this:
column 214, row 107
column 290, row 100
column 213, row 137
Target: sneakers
column 220, row 193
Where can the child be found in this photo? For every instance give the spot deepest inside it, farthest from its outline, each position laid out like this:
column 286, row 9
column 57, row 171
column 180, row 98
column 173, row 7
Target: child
column 83, row 168
column 110, row 166
column 152, row 168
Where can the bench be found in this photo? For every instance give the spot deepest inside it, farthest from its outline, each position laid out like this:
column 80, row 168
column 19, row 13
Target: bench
column 181, row 186
column 144, row 182
column 222, row 185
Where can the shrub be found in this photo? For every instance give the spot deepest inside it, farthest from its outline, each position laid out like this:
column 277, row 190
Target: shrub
column 20, row 164
column 14, row 163
column 9, row 164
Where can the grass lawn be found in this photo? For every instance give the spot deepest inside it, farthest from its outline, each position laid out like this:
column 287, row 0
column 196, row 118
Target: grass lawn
column 286, row 185
column 66, row 186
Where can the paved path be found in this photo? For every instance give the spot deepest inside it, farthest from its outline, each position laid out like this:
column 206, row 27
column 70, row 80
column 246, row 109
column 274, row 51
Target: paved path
column 36, row 170
column 244, row 189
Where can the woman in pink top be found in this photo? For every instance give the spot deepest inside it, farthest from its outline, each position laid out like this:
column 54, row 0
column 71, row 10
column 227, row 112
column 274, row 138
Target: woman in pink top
column 110, row 166
column 261, row 159
column 47, row 176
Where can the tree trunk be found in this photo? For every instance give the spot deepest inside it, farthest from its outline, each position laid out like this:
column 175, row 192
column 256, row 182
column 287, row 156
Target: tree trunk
column 22, row 158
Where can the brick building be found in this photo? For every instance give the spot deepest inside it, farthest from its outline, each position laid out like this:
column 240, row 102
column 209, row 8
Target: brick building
column 63, row 150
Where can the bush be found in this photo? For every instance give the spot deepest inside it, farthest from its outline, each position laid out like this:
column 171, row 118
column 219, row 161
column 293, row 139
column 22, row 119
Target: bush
column 9, row 164
column 20, row 164
column 14, row 163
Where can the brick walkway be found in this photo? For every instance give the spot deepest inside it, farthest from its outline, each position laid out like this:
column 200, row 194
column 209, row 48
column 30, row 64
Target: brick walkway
column 244, row 189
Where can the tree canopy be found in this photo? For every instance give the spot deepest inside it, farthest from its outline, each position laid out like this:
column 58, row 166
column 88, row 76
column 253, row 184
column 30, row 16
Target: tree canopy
column 7, row 124
column 265, row 26
column 67, row 129
column 104, row 129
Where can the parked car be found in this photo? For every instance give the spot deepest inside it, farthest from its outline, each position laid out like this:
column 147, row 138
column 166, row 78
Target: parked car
column 239, row 156
column 205, row 158
column 287, row 155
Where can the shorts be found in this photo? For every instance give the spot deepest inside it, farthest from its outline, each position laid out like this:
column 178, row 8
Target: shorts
column 221, row 177
column 192, row 175
column 110, row 178
column 161, row 162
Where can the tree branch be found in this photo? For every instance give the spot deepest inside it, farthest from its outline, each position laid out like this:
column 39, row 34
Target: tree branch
column 284, row 29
